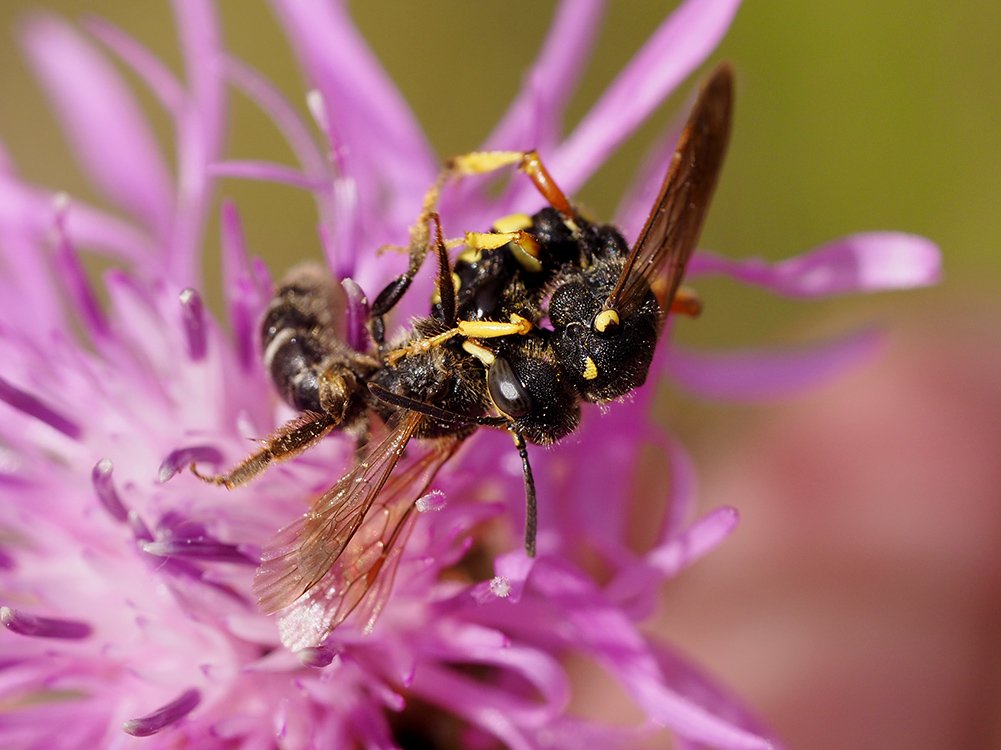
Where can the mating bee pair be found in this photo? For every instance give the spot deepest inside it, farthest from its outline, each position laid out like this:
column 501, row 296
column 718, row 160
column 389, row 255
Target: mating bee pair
column 484, row 356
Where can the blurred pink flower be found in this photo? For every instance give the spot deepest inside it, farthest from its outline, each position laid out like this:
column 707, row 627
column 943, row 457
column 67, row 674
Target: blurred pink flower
column 873, row 513
column 131, row 597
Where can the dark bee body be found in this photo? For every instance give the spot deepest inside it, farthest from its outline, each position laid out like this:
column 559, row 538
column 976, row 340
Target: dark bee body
column 495, row 283
column 443, row 375
column 311, row 366
column 538, row 315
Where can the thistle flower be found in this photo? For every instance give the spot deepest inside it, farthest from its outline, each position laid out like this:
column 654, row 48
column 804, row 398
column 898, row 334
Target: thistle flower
column 127, row 598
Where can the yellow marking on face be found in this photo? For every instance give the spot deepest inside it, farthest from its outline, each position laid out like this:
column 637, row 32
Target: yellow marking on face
column 471, row 255
column 605, row 319
column 590, row 369
column 513, row 223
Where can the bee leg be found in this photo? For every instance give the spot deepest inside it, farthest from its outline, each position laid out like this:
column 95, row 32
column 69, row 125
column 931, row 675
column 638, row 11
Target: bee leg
column 470, row 329
column 686, row 302
column 289, row 440
column 446, row 282
column 531, row 514
column 420, row 240
column 483, row 162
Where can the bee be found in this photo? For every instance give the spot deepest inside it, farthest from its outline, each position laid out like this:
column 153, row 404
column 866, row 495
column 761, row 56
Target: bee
column 484, row 357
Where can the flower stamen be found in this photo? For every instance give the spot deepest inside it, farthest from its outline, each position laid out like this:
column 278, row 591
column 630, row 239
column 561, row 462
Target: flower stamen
column 43, row 627
column 151, row 723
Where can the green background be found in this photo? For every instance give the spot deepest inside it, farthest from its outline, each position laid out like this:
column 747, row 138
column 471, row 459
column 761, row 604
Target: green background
column 851, row 116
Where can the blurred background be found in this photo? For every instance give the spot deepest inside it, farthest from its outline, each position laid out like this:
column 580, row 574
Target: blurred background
column 857, row 604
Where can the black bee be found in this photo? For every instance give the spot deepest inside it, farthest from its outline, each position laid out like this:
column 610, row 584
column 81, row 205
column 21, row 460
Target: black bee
column 540, row 314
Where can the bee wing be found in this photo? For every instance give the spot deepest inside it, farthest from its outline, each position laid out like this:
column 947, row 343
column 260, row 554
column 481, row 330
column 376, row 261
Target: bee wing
column 344, row 550
column 672, row 229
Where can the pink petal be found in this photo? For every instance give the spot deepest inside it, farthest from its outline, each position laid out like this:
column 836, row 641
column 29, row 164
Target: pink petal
column 473, row 644
column 267, row 171
column 280, row 112
column 245, row 299
column 675, row 49
column 534, row 117
column 199, row 136
column 591, row 624
column 363, row 108
column 201, row 45
column 160, row 80
column 868, row 262
column 688, row 679
column 635, row 206
column 748, row 376
column 78, row 287
column 33, row 211
column 101, row 119
column 500, row 712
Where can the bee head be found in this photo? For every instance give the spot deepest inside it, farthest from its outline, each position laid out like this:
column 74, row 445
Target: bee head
column 606, row 354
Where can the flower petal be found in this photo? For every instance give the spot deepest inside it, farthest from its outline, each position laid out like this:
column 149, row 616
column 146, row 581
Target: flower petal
column 33, row 211
column 109, row 135
column 267, row 171
column 160, row 80
column 199, row 136
column 281, row 113
column 690, row 681
column 751, row 376
column 868, row 262
column 362, row 111
column 593, row 625
column 534, row 117
column 675, row 49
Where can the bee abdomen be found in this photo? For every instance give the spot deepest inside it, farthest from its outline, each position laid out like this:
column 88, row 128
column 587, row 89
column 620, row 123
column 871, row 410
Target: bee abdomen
column 311, row 367
column 295, row 362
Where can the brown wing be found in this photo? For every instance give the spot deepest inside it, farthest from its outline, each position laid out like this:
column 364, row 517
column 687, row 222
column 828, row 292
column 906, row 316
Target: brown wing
column 325, row 564
column 672, row 229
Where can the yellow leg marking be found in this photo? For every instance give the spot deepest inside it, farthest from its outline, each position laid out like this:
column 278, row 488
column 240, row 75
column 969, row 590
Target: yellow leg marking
column 524, row 247
column 421, row 345
column 490, row 240
column 489, row 329
column 482, row 162
column 513, row 223
column 473, row 329
column 480, row 352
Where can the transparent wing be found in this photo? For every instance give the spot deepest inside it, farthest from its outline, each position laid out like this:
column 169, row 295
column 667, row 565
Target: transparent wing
column 672, row 229
column 343, row 552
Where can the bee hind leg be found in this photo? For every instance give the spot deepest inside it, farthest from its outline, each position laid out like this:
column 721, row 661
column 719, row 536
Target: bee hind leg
column 288, row 441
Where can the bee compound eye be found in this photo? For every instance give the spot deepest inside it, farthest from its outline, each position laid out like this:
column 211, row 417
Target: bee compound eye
column 506, row 390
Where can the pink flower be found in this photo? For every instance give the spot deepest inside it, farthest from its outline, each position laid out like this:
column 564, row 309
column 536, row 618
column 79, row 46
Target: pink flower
column 128, row 599
column 872, row 511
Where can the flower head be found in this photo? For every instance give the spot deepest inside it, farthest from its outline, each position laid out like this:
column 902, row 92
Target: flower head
column 127, row 598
